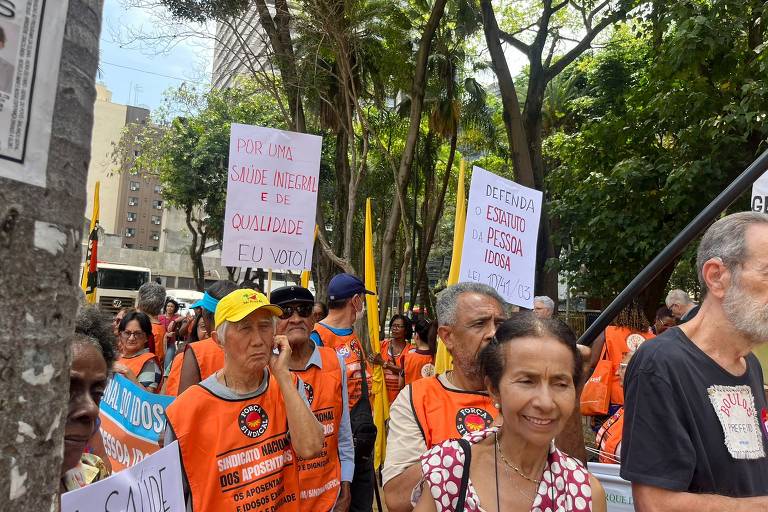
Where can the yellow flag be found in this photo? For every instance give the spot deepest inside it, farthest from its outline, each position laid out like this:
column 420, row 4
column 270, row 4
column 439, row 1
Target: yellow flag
column 443, row 359
column 380, row 399
column 306, row 274
column 88, row 282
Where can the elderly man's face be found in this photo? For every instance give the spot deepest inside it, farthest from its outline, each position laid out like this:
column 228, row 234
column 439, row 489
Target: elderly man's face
column 746, row 300
column 541, row 310
column 248, row 343
column 477, row 317
column 296, row 327
column 677, row 310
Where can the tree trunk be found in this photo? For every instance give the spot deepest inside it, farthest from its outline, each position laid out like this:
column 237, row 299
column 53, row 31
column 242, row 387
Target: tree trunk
column 278, row 32
column 406, row 161
column 513, row 119
column 41, row 230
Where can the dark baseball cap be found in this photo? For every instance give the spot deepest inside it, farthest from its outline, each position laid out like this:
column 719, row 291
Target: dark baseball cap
column 289, row 294
column 344, row 286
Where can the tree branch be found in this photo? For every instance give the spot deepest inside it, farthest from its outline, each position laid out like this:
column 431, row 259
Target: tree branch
column 583, row 45
column 514, row 42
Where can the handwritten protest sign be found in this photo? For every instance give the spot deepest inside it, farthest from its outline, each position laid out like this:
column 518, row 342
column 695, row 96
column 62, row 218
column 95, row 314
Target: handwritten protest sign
column 760, row 194
column 132, row 420
column 152, row 485
column 500, row 236
column 272, row 185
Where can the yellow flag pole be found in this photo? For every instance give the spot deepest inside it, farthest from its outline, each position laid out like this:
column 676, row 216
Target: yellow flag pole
column 443, row 359
column 306, row 274
column 269, row 283
column 90, row 256
column 380, row 400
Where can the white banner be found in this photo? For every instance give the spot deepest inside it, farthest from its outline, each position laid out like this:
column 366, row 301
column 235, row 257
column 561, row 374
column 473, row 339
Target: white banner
column 272, row 187
column 500, row 236
column 155, row 483
column 31, row 35
column 618, row 492
column 760, row 194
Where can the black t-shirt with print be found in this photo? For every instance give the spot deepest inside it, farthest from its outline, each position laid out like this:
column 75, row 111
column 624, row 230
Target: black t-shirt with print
column 676, row 438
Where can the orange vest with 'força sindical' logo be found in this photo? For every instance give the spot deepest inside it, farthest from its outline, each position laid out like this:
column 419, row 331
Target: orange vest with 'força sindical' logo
column 444, row 413
column 320, row 477
column 236, row 453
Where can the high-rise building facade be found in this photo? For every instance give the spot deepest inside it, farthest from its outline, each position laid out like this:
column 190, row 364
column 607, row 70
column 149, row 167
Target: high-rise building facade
column 130, row 205
column 240, row 47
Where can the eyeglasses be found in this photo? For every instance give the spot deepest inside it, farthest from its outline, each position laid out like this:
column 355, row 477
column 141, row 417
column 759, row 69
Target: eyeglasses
column 138, row 335
column 304, row 311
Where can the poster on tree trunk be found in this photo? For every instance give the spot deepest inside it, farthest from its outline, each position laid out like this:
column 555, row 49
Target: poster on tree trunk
column 31, row 35
column 272, row 184
column 500, row 236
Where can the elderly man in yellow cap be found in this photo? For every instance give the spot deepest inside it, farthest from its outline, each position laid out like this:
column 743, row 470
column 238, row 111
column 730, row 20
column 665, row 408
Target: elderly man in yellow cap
column 240, row 430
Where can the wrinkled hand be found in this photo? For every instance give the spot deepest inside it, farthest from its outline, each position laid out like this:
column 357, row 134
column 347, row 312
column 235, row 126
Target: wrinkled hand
column 344, row 499
column 125, row 372
column 279, row 363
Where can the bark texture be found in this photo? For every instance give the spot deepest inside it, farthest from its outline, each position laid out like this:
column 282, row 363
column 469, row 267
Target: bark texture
column 39, row 295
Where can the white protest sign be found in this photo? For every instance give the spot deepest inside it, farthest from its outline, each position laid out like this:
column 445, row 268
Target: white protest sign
column 618, row 492
column 272, row 187
column 29, row 75
column 153, row 484
column 500, row 236
column 760, row 194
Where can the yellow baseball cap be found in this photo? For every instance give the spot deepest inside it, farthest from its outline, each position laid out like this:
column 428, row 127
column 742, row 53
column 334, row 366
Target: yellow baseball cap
column 241, row 303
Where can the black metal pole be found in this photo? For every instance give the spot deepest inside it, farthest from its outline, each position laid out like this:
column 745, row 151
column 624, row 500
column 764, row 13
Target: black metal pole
column 677, row 246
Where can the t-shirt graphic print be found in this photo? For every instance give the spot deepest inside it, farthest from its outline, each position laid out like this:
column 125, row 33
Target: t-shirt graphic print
column 735, row 408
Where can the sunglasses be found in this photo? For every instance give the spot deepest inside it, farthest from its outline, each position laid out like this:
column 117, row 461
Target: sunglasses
column 304, row 310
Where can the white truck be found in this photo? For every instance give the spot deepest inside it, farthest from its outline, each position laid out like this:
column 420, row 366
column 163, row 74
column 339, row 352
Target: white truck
column 117, row 285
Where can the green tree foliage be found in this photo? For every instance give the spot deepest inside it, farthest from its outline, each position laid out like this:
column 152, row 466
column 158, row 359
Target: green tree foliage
column 187, row 147
column 662, row 120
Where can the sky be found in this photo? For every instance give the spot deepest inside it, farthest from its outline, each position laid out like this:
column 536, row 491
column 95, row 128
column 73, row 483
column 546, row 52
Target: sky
column 138, row 74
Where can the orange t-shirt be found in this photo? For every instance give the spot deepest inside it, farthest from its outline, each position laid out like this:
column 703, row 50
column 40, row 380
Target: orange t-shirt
column 619, row 341
column 392, row 379
column 417, row 364
column 158, row 332
column 348, row 347
column 209, row 356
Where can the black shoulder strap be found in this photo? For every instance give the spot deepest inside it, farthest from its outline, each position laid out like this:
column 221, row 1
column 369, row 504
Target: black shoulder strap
column 464, row 474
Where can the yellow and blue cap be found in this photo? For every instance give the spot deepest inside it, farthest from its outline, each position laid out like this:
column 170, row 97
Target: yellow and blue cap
column 241, row 303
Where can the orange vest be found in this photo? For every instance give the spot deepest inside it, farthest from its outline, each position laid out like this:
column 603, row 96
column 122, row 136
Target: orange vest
column 609, row 437
column 135, row 364
column 236, row 453
column 174, row 375
column 209, row 355
column 619, row 341
column 392, row 379
column 444, row 414
column 320, row 478
column 348, row 347
column 158, row 332
column 417, row 365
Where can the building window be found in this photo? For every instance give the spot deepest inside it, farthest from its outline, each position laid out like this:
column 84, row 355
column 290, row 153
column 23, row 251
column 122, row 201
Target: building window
column 134, row 186
column 130, row 232
column 132, row 217
column 133, row 201
column 129, row 246
column 154, row 249
column 156, row 220
column 158, row 189
column 155, row 235
column 157, row 204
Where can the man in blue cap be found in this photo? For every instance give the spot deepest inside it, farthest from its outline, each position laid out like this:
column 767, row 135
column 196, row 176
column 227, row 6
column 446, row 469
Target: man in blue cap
column 346, row 304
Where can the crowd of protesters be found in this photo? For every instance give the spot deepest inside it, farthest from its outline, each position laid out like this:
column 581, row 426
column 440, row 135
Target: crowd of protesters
column 274, row 395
